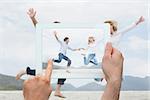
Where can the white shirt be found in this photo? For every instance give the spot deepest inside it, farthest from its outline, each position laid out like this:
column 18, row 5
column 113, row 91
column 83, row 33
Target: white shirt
column 94, row 47
column 98, row 45
column 115, row 38
column 64, row 47
column 91, row 49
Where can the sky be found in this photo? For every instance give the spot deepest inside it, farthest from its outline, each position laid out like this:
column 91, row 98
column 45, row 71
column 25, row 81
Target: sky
column 17, row 34
column 78, row 39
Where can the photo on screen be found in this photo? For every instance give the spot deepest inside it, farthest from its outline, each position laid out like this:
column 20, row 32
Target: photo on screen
column 76, row 52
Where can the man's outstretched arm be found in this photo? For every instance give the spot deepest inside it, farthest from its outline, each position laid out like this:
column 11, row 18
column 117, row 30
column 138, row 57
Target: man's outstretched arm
column 31, row 12
column 112, row 65
column 55, row 34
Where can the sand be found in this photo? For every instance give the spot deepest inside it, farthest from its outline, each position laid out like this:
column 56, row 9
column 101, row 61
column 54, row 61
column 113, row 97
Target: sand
column 80, row 95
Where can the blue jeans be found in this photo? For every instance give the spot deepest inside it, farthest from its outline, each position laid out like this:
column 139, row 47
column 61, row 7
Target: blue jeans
column 62, row 56
column 90, row 59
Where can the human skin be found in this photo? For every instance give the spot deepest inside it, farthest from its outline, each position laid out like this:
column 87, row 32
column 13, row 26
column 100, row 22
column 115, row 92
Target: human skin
column 32, row 14
column 39, row 87
column 112, row 65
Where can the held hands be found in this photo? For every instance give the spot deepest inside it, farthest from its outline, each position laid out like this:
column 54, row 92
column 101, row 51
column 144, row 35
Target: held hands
column 80, row 49
column 31, row 12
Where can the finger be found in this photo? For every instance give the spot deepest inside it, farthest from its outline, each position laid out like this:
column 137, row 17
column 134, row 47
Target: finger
column 108, row 50
column 35, row 13
column 30, row 9
column 142, row 18
column 48, row 71
column 116, row 53
column 28, row 13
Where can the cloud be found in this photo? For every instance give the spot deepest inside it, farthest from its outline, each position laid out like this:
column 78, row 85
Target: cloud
column 87, row 12
column 17, row 39
column 17, row 32
column 136, row 67
column 135, row 51
column 137, row 43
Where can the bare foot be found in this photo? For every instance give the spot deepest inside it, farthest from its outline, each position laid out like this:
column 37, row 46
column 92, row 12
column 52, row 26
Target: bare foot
column 21, row 73
column 58, row 94
column 18, row 77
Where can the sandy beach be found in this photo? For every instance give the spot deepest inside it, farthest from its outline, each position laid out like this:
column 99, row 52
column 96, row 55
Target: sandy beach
column 80, row 95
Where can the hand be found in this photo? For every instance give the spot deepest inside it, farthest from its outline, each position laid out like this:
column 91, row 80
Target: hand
column 31, row 13
column 140, row 20
column 78, row 49
column 55, row 33
column 112, row 63
column 112, row 66
column 39, row 87
column 81, row 49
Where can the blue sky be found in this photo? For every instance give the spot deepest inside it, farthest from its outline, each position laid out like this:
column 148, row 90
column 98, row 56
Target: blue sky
column 17, row 34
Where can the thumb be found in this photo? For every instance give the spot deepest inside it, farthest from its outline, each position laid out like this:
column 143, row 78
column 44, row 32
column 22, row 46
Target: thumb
column 108, row 50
